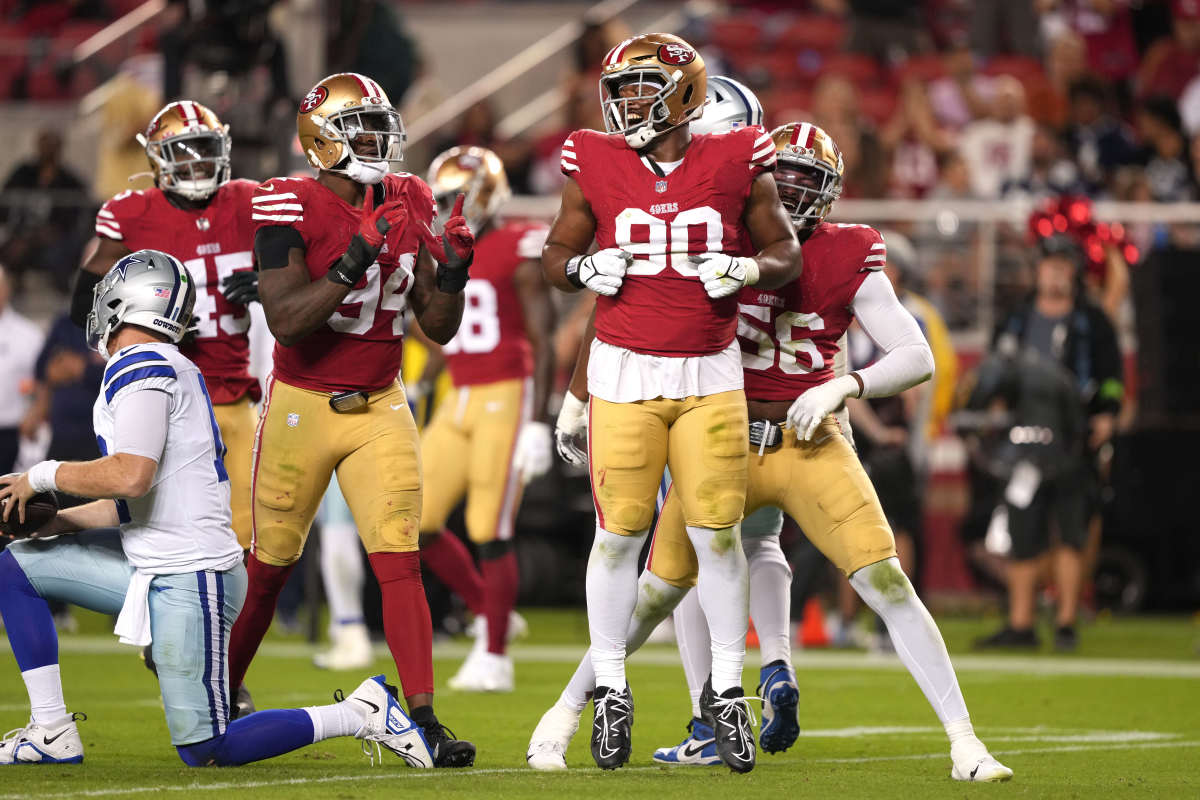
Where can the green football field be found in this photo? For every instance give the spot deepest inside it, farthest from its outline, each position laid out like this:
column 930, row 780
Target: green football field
column 1119, row 719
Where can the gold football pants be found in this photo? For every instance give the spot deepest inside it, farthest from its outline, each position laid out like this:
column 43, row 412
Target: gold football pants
column 237, row 421
column 820, row 484
column 299, row 444
column 704, row 441
column 467, row 450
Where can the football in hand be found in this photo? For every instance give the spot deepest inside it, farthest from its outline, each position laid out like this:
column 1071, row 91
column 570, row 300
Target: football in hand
column 40, row 509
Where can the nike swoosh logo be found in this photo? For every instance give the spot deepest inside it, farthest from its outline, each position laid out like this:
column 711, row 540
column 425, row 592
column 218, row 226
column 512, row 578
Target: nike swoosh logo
column 268, row 187
column 374, row 708
column 694, row 750
column 974, row 771
column 396, row 407
column 51, row 740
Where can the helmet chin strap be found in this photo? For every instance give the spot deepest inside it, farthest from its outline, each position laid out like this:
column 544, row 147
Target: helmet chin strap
column 366, row 172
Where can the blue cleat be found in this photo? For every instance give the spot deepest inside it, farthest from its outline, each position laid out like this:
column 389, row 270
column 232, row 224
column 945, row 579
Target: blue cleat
column 698, row 749
column 780, row 695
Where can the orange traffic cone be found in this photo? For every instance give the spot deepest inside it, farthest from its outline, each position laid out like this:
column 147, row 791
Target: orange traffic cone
column 812, row 625
column 751, row 636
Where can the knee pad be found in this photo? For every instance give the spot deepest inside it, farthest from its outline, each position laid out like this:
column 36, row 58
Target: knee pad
column 202, row 754
column 489, row 551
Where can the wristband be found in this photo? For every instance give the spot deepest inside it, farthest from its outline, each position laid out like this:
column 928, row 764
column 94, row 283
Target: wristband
column 41, row 476
column 450, row 280
column 862, row 387
column 349, row 269
column 571, row 270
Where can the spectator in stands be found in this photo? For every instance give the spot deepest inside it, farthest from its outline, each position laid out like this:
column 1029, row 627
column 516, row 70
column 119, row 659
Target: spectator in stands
column 1051, row 487
column 915, row 141
column 835, row 109
column 68, row 375
column 1106, row 27
column 1170, row 63
column 20, row 340
column 1165, row 151
column 999, row 147
column 1066, row 62
column 1096, row 140
column 1004, row 26
column 45, row 213
column 963, row 93
column 1049, row 172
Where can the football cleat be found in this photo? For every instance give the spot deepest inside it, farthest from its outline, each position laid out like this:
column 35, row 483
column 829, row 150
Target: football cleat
column 386, row 725
column 350, row 649
column 612, row 727
column 41, row 744
column 698, row 748
column 518, row 628
column 973, row 762
column 780, row 696
column 484, row 672
column 728, row 714
column 548, row 745
column 448, row 750
column 243, row 704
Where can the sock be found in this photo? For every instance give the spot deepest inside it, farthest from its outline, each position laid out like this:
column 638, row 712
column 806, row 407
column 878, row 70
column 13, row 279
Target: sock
column 612, row 591
column 27, row 617
column 264, row 734
column 46, row 703
column 447, row 558
column 656, row 599
column 723, row 585
column 342, row 573
column 406, row 623
column 335, row 719
column 264, row 582
column 695, row 647
column 500, row 581
column 770, row 597
column 886, row 589
column 960, row 730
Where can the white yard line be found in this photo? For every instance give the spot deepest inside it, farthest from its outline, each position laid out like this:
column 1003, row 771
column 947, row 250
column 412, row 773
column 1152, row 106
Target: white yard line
column 664, row 656
column 451, row 774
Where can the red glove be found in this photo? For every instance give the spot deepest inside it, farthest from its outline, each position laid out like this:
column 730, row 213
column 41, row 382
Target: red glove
column 373, row 228
column 454, row 252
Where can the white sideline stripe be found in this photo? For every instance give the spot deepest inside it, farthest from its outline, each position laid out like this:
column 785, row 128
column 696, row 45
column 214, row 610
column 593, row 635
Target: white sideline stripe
column 658, row 655
column 456, row 773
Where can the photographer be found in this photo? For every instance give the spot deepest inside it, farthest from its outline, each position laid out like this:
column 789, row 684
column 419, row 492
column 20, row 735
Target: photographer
column 1057, row 373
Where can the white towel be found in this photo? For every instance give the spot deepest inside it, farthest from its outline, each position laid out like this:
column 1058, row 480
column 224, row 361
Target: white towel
column 133, row 623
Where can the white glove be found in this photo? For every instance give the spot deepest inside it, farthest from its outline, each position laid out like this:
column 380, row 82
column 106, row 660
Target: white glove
column 570, row 432
column 532, row 458
column 810, row 408
column 724, row 275
column 602, row 271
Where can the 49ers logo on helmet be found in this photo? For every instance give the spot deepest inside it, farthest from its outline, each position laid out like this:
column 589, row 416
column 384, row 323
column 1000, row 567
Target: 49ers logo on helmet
column 313, row 99
column 676, row 54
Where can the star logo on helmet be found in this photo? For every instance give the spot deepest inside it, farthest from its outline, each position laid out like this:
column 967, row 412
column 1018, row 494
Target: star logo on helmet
column 125, row 263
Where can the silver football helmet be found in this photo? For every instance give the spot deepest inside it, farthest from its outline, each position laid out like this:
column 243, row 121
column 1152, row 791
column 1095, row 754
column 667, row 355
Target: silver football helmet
column 149, row 289
column 729, row 105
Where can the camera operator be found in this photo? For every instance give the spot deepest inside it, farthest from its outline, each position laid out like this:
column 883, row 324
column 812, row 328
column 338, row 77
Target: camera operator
column 1057, row 372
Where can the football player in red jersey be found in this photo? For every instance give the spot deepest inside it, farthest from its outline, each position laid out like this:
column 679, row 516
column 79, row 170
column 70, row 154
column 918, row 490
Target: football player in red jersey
column 490, row 435
column 340, row 257
column 670, row 211
column 805, row 466
column 200, row 216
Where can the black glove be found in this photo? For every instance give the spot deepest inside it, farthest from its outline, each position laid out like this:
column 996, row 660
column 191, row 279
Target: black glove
column 241, row 287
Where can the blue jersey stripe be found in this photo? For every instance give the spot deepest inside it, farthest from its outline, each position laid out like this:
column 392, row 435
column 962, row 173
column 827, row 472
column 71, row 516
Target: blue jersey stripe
column 208, row 654
column 128, row 361
column 155, row 371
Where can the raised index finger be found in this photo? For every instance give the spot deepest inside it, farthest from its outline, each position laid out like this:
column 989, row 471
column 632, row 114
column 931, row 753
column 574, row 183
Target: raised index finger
column 458, row 205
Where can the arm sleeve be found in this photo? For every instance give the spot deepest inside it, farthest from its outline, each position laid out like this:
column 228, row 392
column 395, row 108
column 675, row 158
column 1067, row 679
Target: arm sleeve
column 1110, row 374
column 140, row 423
column 907, row 359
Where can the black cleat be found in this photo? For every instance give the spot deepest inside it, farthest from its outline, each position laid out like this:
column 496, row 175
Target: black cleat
column 446, row 749
column 148, row 660
column 612, row 727
column 1066, row 640
column 728, row 714
column 1007, row 638
column 243, row 704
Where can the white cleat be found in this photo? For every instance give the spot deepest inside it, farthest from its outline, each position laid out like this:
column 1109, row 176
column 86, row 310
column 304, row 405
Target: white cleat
column 350, row 649
column 972, row 762
column 386, row 725
column 484, row 672
column 41, row 744
column 548, row 745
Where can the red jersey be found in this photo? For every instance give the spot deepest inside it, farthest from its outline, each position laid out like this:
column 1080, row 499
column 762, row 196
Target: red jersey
column 491, row 344
column 359, row 347
column 212, row 242
column 790, row 335
column 662, row 308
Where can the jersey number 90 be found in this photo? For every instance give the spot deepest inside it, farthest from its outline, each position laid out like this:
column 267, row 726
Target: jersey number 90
column 657, row 244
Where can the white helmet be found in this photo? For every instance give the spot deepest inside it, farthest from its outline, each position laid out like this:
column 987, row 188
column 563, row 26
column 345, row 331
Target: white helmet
column 149, row 289
column 728, row 105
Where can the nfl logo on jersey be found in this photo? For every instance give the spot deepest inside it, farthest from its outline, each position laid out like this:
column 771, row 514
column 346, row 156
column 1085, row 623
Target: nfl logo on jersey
column 293, row 420
column 660, row 186
column 203, row 223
